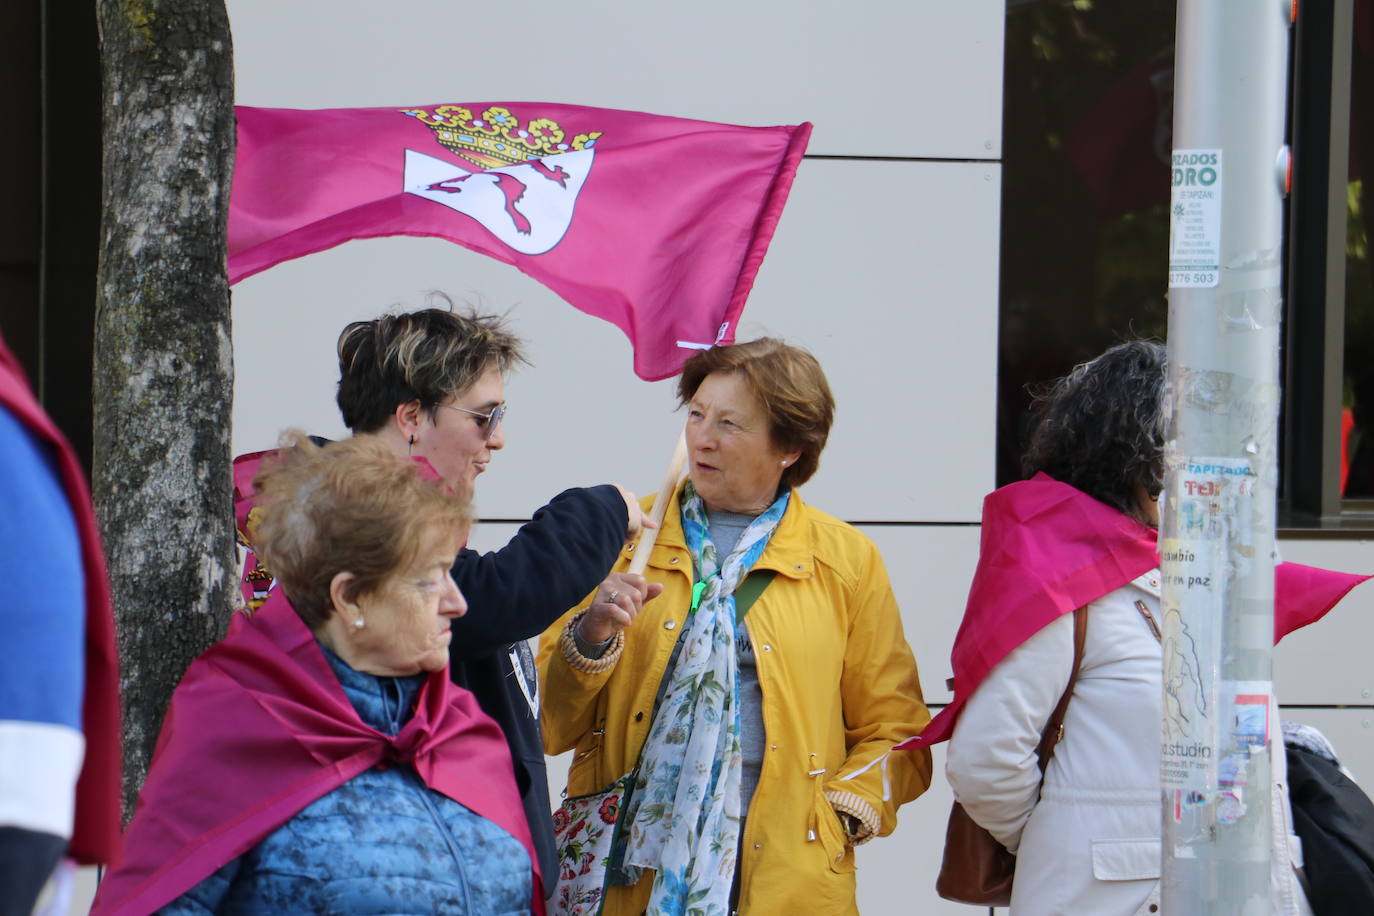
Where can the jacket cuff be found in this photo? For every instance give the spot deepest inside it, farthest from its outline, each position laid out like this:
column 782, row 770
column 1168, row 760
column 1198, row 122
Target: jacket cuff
column 567, row 647
column 869, row 820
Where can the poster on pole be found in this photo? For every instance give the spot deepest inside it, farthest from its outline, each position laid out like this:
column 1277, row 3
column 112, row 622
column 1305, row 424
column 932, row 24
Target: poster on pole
column 1212, row 728
column 1195, row 219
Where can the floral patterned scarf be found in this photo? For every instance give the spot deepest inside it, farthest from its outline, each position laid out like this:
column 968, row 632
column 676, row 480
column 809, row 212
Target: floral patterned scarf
column 684, row 812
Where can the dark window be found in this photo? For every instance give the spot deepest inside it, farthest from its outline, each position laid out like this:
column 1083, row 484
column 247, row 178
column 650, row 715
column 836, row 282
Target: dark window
column 1087, row 125
column 1357, row 416
column 50, row 220
column 1087, row 132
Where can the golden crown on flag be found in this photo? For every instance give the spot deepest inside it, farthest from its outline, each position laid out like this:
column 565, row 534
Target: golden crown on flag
column 498, row 138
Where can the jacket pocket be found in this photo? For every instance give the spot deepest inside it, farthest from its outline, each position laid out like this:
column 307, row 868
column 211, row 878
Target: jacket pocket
column 1126, row 859
column 584, row 772
column 824, row 828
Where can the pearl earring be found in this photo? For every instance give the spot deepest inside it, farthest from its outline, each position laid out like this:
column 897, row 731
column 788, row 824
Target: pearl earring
column 783, row 462
column 359, row 623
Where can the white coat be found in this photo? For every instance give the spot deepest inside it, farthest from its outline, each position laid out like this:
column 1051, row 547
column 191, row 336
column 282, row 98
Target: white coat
column 1089, row 841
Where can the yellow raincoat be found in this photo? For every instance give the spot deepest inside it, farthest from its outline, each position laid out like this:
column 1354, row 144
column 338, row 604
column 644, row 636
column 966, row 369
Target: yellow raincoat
column 839, row 688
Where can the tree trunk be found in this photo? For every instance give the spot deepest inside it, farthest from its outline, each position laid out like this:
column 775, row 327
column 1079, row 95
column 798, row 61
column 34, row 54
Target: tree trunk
column 163, row 380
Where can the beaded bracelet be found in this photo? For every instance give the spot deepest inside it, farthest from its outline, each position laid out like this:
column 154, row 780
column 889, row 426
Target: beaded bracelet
column 579, row 662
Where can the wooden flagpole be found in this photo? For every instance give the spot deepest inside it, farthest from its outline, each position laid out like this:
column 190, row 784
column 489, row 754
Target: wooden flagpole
column 649, row 536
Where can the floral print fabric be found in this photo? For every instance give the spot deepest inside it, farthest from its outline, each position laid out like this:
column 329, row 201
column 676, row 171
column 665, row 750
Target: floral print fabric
column 583, row 829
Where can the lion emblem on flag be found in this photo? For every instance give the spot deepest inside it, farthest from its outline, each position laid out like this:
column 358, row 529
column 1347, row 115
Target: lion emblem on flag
column 520, row 181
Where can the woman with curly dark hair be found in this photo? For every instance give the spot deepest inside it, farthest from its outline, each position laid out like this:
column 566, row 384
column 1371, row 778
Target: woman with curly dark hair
column 1079, row 533
column 1100, row 429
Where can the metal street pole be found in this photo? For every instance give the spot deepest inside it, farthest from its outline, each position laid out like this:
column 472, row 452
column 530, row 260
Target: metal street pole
column 1217, row 519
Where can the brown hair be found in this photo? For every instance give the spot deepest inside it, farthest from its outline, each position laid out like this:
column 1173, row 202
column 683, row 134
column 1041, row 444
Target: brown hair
column 426, row 356
column 790, row 385
column 353, row 506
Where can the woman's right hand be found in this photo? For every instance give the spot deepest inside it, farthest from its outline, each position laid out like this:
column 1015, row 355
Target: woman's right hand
column 617, row 602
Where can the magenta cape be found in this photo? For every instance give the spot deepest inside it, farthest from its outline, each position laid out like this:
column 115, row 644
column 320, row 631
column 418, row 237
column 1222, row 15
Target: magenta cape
column 1048, row 548
column 258, row 729
column 655, row 224
column 95, row 833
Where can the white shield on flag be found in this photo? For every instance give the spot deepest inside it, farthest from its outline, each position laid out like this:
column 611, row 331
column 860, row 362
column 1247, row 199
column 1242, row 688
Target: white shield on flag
column 527, row 206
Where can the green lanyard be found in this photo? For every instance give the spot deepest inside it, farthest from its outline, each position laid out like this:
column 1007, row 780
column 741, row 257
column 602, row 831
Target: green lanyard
column 748, row 591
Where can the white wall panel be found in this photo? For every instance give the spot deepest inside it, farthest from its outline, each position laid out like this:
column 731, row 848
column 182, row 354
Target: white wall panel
column 897, row 872
column 918, row 78
column 930, row 568
column 895, row 293
column 1328, row 662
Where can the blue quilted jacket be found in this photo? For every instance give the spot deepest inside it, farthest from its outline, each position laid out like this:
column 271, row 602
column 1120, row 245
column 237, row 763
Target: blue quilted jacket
column 381, row 843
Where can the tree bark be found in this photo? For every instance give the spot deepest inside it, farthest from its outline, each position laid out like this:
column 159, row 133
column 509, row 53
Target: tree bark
column 163, row 379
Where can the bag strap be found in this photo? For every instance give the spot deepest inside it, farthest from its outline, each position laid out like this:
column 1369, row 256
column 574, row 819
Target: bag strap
column 748, row 591
column 1054, row 729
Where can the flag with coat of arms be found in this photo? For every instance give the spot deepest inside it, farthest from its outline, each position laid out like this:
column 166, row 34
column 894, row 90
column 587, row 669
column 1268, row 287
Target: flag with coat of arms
column 655, row 224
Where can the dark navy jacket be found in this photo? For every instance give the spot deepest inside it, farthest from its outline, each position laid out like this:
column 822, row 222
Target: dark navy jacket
column 381, row 843
column 515, row 594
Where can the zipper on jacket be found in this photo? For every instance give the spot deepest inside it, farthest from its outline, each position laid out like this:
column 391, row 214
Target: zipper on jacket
column 447, row 834
column 391, row 704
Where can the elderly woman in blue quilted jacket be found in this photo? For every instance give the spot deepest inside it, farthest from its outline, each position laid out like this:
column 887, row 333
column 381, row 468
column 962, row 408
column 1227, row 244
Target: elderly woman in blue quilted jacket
column 319, row 759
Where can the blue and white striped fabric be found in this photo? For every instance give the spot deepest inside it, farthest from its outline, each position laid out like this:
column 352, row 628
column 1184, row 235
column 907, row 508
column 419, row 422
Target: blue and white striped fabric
column 42, row 640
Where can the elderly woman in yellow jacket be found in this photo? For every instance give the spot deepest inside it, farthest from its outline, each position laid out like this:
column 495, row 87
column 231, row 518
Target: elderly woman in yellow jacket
column 748, row 710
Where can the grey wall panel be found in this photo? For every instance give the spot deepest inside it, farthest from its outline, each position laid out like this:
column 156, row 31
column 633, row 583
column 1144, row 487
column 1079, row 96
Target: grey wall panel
column 919, row 78
column 895, row 293
column 1328, row 661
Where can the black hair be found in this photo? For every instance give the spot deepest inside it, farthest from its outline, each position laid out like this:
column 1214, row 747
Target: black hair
column 1101, row 427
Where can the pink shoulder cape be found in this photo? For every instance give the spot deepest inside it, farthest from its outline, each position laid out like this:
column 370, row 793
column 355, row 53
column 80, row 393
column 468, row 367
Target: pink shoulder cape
column 1048, row 548
column 95, row 833
column 259, row 728
column 257, row 580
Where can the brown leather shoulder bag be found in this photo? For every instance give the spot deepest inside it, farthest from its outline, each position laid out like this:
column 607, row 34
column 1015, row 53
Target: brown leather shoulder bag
column 976, row 868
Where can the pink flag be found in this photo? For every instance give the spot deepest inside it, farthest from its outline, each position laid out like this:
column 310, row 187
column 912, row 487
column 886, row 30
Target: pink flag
column 658, row 225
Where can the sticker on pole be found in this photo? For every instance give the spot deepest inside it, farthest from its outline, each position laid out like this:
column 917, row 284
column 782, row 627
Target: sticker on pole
column 1205, row 725
column 1195, row 219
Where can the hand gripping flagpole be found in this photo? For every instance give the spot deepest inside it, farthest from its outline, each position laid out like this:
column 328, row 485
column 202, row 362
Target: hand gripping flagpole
column 649, row 536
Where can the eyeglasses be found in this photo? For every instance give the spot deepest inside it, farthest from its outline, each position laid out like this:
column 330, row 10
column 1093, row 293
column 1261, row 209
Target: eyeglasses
column 487, row 422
